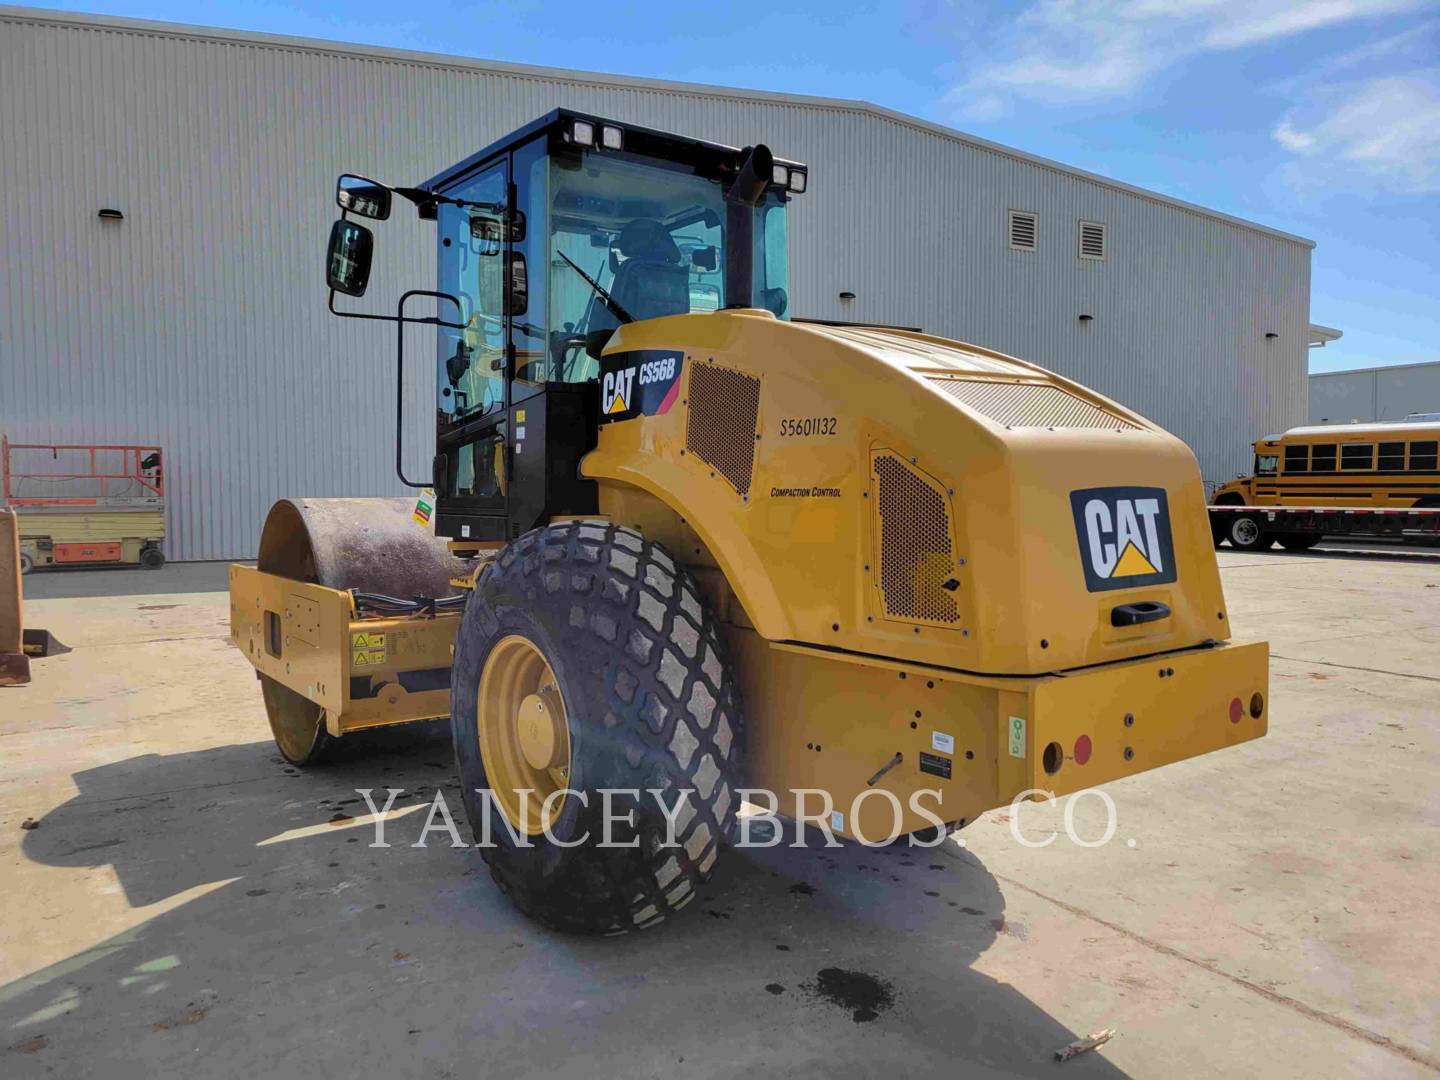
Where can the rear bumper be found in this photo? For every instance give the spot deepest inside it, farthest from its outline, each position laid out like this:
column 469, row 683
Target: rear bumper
column 829, row 722
column 1135, row 715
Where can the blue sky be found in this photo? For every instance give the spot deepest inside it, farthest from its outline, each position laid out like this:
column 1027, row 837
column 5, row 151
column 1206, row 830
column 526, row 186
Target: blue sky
column 1319, row 117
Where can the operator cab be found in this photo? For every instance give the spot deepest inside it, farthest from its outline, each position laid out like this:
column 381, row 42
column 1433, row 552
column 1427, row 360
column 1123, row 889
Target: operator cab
column 547, row 241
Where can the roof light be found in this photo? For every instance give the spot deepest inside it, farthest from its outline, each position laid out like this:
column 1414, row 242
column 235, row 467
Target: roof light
column 780, row 175
column 612, row 138
column 582, row 133
column 797, row 181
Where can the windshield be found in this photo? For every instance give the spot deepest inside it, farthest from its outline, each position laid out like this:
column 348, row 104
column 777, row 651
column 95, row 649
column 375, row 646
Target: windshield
column 652, row 239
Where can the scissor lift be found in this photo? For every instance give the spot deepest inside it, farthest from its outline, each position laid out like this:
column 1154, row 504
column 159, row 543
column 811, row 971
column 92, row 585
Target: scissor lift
column 86, row 504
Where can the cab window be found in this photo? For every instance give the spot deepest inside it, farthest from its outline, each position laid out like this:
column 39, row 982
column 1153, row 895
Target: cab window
column 529, row 277
column 476, row 470
column 652, row 238
column 471, row 375
column 772, row 268
column 1265, row 464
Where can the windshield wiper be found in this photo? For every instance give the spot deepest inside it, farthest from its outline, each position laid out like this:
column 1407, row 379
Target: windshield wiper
column 610, row 302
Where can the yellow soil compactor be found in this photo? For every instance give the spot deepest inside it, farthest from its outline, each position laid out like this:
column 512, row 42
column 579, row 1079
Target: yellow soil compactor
column 686, row 545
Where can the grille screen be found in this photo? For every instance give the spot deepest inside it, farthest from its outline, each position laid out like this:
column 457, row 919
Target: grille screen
column 720, row 424
column 916, row 558
column 1031, row 405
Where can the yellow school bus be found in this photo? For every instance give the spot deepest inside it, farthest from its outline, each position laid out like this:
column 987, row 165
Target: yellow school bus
column 1384, row 466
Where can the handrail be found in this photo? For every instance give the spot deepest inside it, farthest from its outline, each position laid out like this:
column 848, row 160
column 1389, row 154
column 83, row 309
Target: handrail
column 152, row 481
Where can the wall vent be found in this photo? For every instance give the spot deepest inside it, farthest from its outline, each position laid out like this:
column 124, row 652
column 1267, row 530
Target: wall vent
column 1024, row 229
column 720, row 424
column 1092, row 240
column 915, row 559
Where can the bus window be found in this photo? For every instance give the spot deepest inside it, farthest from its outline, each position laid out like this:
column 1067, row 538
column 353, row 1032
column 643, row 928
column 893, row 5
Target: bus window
column 1322, row 458
column 1265, row 464
column 1355, row 456
column 1297, row 459
column 1392, row 457
column 1422, row 456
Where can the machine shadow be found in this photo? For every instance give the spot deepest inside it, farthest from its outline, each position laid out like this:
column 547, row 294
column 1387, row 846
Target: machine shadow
column 274, row 919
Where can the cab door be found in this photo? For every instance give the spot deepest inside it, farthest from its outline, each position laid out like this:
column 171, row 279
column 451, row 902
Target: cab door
column 473, row 364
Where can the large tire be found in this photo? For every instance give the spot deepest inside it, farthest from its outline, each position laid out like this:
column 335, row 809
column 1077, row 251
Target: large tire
column 152, row 558
column 1300, row 541
column 650, row 702
column 297, row 723
column 27, row 564
column 1246, row 532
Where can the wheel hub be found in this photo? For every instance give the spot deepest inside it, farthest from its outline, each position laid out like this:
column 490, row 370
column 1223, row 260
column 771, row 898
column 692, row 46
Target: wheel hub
column 538, row 724
column 524, row 734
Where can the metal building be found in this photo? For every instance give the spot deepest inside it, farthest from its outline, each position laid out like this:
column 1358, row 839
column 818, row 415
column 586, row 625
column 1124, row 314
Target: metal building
column 197, row 319
column 1371, row 394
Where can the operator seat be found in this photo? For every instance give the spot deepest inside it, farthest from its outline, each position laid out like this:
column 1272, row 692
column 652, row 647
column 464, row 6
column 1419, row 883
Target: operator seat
column 652, row 281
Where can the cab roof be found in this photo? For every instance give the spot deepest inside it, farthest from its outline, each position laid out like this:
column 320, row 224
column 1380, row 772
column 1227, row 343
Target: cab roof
column 715, row 160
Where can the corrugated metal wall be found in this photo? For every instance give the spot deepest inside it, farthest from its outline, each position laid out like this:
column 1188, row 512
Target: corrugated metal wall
column 1390, row 393
column 199, row 321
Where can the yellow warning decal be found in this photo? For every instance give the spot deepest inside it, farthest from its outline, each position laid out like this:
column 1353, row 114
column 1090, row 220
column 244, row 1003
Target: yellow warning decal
column 367, row 649
column 618, row 404
column 1132, row 563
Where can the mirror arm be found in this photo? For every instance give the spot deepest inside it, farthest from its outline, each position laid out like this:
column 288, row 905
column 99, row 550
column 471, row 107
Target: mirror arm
column 426, row 320
column 400, row 319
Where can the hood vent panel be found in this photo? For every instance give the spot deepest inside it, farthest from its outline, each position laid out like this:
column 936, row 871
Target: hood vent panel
column 1030, row 405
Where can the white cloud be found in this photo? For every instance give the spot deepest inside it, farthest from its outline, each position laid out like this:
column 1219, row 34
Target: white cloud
column 1063, row 50
column 1297, row 142
column 1382, row 132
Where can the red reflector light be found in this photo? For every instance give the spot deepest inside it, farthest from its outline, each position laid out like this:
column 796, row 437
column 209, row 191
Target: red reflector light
column 1237, row 710
column 1082, row 749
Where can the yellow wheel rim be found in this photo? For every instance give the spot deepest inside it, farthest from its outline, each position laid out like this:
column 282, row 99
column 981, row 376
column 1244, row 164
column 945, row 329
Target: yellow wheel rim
column 524, row 734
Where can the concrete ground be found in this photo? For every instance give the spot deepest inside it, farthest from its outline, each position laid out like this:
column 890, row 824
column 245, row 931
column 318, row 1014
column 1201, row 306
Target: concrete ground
column 189, row 904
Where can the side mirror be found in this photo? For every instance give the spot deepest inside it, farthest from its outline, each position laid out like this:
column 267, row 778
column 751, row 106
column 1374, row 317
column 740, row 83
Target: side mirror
column 362, row 197
column 347, row 260
column 519, row 300
column 490, row 230
column 705, row 258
